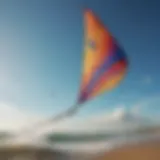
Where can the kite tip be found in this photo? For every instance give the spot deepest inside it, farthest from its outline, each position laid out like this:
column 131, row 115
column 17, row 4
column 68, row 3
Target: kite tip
column 86, row 10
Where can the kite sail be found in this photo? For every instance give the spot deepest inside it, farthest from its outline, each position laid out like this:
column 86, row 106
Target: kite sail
column 105, row 62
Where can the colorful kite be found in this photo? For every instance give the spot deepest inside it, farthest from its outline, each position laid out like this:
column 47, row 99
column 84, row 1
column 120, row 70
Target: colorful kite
column 104, row 66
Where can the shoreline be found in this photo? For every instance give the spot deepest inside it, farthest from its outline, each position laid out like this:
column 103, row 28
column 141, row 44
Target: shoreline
column 103, row 146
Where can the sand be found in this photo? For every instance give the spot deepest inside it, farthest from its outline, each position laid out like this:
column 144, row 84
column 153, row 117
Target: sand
column 30, row 153
column 145, row 151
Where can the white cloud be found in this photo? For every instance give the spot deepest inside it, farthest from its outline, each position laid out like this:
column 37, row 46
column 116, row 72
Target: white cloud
column 13, row 118
column 117, row 120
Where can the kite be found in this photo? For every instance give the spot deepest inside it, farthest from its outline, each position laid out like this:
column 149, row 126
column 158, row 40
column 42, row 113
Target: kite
column 104, row 63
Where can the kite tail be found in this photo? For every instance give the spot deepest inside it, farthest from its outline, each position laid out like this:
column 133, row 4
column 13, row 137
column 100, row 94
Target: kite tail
column 68, row 113
column 59, row 117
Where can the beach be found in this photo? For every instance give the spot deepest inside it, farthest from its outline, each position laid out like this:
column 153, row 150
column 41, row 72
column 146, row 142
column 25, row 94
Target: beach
column 149, row 150
column 127, row 147
column 141, row 151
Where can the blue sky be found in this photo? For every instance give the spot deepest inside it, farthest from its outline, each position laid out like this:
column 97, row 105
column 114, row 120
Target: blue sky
column 41, row 47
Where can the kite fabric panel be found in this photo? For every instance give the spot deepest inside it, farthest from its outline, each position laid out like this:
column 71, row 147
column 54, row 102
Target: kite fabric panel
column 104, row 61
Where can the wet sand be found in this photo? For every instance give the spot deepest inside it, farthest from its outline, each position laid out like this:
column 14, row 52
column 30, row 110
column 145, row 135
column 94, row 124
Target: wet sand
column 29, row 153
column 144, row 151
